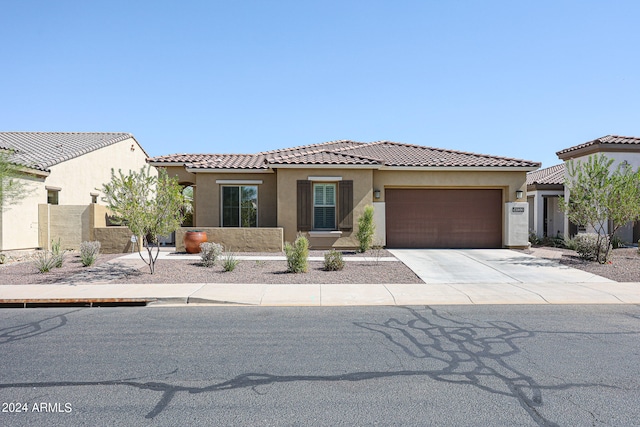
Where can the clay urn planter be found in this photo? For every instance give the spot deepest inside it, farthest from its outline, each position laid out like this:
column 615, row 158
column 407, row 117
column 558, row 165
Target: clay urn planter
column 192, row 240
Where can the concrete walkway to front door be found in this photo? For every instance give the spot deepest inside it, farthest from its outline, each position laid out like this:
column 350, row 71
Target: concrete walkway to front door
column 488, row 266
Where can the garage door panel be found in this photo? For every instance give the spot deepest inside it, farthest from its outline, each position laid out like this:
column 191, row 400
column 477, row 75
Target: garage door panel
column 439, row 218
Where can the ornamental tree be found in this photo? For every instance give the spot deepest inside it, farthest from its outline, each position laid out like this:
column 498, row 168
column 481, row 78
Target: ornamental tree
column 12, row 188
column 600, row 195
column 150, row 206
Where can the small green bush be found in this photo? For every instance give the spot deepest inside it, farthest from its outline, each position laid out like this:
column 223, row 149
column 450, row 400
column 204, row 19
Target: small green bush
column 333, row 261
column 366, row 229
column 3, row 258
column 297, row 255
column 209, row 253
column 45, row 261
column 571, row 244
column 58, row 253
column 617, row 242
column 588, row 249
column 89, row 252
column 230, row 262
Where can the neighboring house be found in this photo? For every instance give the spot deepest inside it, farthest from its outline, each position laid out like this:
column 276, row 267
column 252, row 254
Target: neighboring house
column 544, row 189
column 422, row 196
column 61, row 169
column 545, row 186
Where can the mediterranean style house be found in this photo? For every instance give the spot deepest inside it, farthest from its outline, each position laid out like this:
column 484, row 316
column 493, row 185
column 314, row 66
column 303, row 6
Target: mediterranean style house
column 546, row 186
column 422, row 197
column 61, row 169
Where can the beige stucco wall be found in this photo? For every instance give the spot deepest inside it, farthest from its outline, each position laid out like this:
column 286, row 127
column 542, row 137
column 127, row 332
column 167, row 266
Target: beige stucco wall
column 235, row 239
column 70, row 224
column 114, row 240
column 77, row 178
column 509, row 182
column 207, row 197
column 287, row 200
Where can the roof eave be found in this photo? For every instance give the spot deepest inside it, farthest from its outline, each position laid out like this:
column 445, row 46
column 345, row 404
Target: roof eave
column 464, row 168
column 324, row 166
column 597, row 148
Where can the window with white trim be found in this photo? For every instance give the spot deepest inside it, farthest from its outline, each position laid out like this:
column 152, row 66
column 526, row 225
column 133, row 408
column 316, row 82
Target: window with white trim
column 240, row 206
column 324, row 206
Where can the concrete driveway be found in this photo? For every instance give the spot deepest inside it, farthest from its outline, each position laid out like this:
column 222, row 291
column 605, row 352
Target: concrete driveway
column 488, row 266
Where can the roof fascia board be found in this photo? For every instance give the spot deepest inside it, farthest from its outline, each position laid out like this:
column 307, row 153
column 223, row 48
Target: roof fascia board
column 323, row 166
column 536, row 186
column 163, row 164
column 599, row 148
column 463, row 168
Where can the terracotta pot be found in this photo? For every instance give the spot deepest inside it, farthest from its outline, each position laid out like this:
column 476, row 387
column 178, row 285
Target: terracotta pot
column 192, row 240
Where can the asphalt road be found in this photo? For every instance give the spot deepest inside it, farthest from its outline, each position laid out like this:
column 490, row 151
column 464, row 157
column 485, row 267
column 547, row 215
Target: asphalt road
column 445, row 366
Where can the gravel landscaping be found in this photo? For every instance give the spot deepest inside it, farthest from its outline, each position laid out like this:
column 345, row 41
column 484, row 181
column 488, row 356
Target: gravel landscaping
column 190, row 271
column 624, row 267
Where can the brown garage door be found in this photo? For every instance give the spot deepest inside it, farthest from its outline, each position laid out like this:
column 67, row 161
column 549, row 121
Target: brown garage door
column 438, row 218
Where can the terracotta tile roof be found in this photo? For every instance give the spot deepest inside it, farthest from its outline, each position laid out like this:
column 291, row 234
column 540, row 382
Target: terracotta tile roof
column 605, row 140
column 325, row 146
column 553, row 175
column 231, row 161
column 41, row 150
column 345, row 153
column 322, row 158
column 397, row 154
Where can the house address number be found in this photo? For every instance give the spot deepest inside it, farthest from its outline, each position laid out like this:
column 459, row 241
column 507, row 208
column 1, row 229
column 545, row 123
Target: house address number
column 517, row 209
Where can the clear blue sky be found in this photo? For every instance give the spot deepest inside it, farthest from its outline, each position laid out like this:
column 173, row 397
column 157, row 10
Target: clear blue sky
column 514, row 78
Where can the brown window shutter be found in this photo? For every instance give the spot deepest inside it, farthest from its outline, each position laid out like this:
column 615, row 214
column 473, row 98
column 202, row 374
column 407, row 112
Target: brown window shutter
column 345, row 192
column 304, row 205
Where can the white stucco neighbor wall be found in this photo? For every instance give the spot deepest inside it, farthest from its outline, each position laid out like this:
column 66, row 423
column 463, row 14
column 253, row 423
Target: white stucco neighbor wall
column 80, row 177
column 19, row 223
column 555, row 217
column 77, row 179
column 633, row 159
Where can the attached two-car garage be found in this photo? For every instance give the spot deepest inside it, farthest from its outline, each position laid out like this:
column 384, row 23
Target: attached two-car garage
column 443, row 218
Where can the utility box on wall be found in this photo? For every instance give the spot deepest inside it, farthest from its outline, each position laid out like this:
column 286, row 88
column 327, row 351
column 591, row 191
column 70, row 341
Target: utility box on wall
column 516, row 224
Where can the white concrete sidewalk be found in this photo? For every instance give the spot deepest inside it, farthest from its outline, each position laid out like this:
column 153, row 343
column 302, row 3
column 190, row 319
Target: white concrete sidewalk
column 331, row 295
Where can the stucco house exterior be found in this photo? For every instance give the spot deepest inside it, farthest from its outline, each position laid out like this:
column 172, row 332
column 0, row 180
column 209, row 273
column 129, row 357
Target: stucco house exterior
column 544, row 189
column 545, row 186
column 61, row 169
column 422, row 196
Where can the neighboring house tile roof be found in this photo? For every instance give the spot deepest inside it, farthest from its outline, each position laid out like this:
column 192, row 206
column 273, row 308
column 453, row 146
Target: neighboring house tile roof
column 41, row 150
column 382, row 153
column 553, row 175
column 605, row 140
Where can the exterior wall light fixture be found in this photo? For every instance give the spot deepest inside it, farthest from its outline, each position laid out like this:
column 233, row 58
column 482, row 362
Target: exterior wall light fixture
column 376, row 194
column 519, row 194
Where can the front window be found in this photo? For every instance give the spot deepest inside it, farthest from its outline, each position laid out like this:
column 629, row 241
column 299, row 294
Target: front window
column 240, row 206
column 52, row 197
column 324, row 206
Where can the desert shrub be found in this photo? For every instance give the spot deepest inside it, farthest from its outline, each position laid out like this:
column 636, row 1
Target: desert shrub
column 45, row 261
column 617, row 242
column 297, row 255
column 209, row 253
column 57, row 253
column 366, row 229
column 571, row 244
column 89, row 252
column 230, row 262
column 533, row 238
column 591, row 247
column 333, row 261
column 3, row 258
